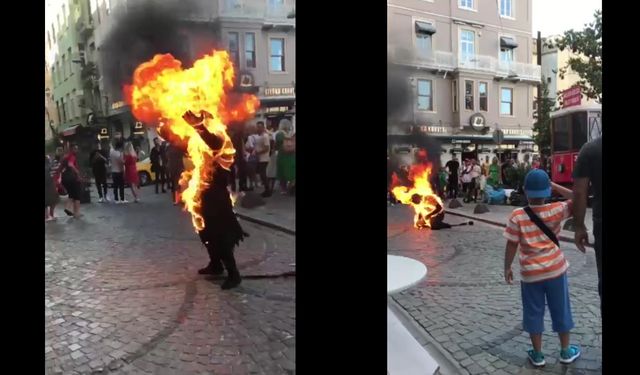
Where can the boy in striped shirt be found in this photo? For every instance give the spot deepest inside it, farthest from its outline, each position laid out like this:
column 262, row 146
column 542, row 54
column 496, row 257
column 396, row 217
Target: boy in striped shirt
column 543, row 266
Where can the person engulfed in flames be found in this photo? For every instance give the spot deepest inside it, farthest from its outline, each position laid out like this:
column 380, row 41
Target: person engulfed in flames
column 222, row 231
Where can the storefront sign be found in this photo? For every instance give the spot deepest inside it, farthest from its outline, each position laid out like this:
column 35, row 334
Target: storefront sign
column 276, row 109
column 279, row 91
column 138, row 128
column 103, row 133
column 460, row 141
column 571, row 97
column 245, row 79
column 477, row 121
column 433, row 129
column 525, row 132
column 118, row 105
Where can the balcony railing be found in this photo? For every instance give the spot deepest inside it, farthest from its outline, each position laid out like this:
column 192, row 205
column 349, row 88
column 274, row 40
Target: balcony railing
column 439, row 60
column 526, row 71
column 257, row 9
column 447, row 61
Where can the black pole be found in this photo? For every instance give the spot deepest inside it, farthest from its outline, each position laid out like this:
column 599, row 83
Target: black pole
column 539, row 62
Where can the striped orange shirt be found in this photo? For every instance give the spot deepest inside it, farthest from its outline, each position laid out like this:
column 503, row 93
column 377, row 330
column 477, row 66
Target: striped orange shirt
column 540, row 258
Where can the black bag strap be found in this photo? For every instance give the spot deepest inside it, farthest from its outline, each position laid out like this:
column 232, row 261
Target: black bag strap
column 543, row 227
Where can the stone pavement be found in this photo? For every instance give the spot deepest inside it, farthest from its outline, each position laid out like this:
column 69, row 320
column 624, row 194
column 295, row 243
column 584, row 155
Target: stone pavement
column 279, row 211
column 466, row 310
column 122, row 296
column 499, row 214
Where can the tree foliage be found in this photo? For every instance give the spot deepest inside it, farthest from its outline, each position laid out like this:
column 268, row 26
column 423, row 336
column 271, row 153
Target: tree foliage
column 586, row 46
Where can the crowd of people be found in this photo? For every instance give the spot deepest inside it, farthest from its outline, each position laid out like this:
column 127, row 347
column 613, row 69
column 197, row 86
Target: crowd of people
column 268, row 156
column 472, row 177
column 263, row 157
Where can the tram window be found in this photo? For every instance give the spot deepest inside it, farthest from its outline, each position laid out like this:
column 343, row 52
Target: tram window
column 561, row 133
column 579, row 127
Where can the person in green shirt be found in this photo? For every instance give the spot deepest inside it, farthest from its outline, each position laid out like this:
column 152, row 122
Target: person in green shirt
column 494, row 173
column 443, row 175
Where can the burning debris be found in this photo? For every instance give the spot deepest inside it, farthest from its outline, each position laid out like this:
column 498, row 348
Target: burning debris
column 162, row 91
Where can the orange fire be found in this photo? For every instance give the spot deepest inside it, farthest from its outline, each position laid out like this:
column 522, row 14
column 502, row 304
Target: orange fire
column 162, row 91
column 420, row 195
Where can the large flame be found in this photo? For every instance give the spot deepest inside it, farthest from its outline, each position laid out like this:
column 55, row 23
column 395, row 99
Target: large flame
column 162, row 91
column 419, row 193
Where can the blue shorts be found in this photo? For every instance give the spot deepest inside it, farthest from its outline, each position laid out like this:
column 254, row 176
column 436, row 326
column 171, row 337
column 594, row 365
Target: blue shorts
column 556, row 292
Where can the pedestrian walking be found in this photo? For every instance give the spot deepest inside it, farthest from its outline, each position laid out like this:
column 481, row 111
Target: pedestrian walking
column 259, row 146
column 476, row 174
column 465, row 177
column 272, row 166
column 239, row 168
column 98, row 161
column 70, row 178
column 453, row 167
column 175, row 167
column 588, row 173
column 222, row 231
column 131, row 171
column 285, row 143
column 51, row 197
column 543, row 267
column 158, row 160
column 116, row 157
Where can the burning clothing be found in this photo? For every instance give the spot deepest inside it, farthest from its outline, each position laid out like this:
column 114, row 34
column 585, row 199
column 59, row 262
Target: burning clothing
column 222, row 231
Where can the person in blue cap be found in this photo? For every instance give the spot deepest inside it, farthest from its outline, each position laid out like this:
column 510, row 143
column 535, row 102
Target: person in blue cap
column 543, row 268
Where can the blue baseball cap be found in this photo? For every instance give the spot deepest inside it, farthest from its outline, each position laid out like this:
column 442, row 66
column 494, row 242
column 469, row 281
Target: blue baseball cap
column 537, row 184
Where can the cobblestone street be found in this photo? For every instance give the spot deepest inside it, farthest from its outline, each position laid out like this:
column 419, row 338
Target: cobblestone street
column 465, row 308
column 123, row 296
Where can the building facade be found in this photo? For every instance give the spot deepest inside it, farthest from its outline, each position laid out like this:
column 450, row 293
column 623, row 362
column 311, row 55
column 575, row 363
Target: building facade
column 67, row 110
column 258, row 34
column 469, row 65
column 552, row 61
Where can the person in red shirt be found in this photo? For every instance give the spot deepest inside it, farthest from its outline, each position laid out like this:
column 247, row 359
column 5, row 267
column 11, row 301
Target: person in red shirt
column 72, row 181
column 131, row 170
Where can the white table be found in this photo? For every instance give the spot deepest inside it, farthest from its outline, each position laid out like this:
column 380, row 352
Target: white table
column 405, row 355
column 403, row 273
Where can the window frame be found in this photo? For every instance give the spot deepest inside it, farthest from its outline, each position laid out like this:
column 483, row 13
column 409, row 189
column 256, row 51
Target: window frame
column 454, row 96
column 512, row 114
column 465, row 7
column 512, row 8
column 473, row 92
column 234, row 57
column 462, row 30
column 486, row 83
column 415, row 35
column 255, row 54
column 282, row 57
column 431, row 81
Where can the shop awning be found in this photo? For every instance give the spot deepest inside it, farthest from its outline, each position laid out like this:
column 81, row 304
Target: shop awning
column 425, row 28
column 506, row 42
column 276, row 101
column 70, row 131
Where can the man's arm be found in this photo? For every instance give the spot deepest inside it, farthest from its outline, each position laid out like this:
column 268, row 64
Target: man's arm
column 580, row 192
column 509, row 254
column 581, row 182
column 214, row 142
column 566, row 193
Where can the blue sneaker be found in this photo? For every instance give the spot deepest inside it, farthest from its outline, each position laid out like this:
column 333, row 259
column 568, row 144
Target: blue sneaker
column 536, row 358
column 570, row 354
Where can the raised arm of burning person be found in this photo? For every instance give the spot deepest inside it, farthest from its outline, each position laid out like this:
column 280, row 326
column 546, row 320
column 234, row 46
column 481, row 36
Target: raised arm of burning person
column 212, row 140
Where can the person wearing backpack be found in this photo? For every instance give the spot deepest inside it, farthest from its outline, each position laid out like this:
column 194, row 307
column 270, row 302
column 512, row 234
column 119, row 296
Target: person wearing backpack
column 543, row 268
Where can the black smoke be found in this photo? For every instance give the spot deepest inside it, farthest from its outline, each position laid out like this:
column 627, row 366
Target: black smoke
column 144, row 29
column 398, row 93
column 400, row 98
